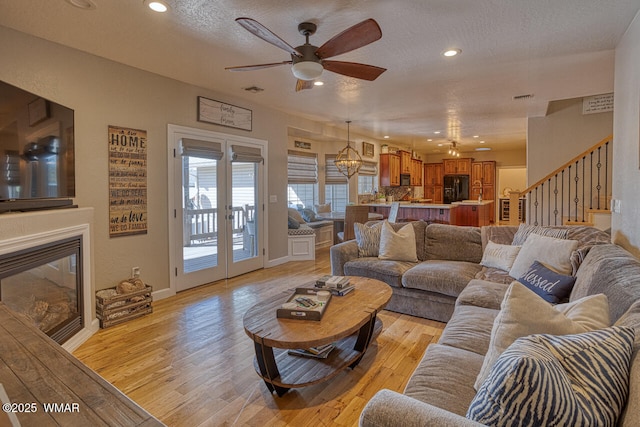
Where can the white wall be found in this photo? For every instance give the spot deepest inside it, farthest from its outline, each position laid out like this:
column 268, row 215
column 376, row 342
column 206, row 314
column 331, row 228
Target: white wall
column 561, row 135
column 511, row 177
column 625, row 226
column 104, row 93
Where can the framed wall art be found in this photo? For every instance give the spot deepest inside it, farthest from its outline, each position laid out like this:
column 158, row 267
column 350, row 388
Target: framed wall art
column 219, row 113
column 368, row 149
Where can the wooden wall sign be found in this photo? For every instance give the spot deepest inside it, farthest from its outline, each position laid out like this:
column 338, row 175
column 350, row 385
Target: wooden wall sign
column 127, row 181
column 219, row 113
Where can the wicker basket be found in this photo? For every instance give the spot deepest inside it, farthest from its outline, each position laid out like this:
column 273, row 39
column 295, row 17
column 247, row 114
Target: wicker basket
column 113, row 308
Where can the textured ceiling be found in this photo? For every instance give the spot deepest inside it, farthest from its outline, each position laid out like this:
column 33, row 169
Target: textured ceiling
column 553, row 49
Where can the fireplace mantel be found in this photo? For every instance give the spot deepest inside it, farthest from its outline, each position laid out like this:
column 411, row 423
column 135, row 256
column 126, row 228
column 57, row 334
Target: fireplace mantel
column 20, row 231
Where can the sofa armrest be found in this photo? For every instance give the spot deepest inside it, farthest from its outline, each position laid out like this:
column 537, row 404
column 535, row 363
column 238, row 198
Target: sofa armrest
column 340, row 254
column 390, row 409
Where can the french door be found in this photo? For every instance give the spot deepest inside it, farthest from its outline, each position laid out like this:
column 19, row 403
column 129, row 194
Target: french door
column 216, row 206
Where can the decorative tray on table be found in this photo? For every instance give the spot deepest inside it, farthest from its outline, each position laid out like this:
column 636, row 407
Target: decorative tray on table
column 305, row 304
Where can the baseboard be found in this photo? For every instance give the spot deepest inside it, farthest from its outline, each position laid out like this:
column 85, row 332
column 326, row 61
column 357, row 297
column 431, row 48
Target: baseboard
column 78, row 339
column 277, row 261
column 162, row 294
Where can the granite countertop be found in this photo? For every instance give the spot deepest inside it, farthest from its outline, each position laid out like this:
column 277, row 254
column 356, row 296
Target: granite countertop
column 416, row 205
column 473, row 202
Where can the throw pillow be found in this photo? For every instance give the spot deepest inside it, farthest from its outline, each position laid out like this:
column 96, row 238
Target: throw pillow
column 308, row 215
column 293, row 213
column 524, row 313
column 499, row 256
column 552, row 252
column 368, row 238
column 398, row 246
column 293, row 224
column 545, row 380
column 524, row 230
column 551, row 286
column 324, row 208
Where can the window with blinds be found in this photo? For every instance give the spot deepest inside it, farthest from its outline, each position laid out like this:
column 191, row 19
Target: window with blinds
column 368, row 178
column 336, row 189
column 302, row 172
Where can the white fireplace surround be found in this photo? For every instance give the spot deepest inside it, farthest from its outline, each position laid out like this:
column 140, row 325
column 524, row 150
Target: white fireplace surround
column 20, row 231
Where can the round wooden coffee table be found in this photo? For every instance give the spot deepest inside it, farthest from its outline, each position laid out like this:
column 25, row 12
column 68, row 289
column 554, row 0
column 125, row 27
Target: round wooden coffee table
column 349, row 322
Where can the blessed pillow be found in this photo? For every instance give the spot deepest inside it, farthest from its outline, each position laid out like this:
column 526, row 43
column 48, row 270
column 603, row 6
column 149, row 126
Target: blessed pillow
column 551, row 286
column 398, row 245
column 524, row 313
column 368, row 238
column 324, row 208
column 499, row 256
column 571, row 380
column 552, row 252
column 293, row 213
column 524, row 230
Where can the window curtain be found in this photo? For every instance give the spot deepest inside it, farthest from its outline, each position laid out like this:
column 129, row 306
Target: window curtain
column 302, row 168
column 241, row 153
column 368, row 169
column 332, row 174
column 202, row 149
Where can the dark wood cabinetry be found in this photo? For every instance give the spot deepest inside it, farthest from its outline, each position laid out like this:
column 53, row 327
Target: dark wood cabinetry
column 389, row 170
column 433, row 182
column 483, row 181
column 457, row 166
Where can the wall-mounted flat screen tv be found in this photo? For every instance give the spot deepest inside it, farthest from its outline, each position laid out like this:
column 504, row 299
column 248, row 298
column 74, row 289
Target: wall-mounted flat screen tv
column 37, row 169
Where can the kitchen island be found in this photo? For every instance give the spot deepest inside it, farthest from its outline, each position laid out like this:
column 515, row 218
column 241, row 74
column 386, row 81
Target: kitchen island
column 468, row 212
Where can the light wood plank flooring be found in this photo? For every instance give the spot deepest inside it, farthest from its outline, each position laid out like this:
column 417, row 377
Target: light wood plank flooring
column 190, row 363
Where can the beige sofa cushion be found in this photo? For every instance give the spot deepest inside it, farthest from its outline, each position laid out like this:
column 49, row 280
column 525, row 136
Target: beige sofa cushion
column 525, row 313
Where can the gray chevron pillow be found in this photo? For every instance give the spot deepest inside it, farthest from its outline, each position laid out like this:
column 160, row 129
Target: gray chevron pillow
column 368, row 238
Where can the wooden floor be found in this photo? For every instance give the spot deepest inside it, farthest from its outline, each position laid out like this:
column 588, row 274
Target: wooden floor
column 190, row 363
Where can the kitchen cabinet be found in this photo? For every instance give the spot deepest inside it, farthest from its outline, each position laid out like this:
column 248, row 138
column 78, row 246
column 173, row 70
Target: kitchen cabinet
column 389, row 170
column 457, row 166
column 483, row 181
column 433, row 182
column 473, row 215
column 405, row 162
column 416, row 172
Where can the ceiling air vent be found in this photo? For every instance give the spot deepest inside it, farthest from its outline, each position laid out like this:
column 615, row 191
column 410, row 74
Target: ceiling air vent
column 520, row 97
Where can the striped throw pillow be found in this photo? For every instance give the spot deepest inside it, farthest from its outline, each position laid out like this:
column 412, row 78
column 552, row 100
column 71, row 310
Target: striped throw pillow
column 524, row 230
column 547, row 380
column 368, row 238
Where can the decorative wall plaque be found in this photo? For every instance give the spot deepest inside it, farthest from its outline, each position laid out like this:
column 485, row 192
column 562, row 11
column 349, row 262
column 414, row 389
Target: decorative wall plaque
column 219, row 113
column 127, row 181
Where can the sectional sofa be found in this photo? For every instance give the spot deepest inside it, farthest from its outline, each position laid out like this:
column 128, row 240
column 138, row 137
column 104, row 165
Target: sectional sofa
column 495, row 330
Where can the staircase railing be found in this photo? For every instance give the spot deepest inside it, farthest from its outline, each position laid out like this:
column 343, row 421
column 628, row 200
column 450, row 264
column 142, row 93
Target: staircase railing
column 569, row 194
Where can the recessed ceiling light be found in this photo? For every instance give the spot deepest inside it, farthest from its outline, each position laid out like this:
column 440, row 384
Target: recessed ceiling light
column 451, row 52
column 483, row 149
column 439, row 145
column 318, row 83
column 481, row 142
column 83, row 4
column 476, row 136
column 437, row 132
column 429, row 140
column 386, row 137
column 157, row 5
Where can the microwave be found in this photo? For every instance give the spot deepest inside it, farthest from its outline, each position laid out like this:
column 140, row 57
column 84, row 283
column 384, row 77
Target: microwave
column 405, row 179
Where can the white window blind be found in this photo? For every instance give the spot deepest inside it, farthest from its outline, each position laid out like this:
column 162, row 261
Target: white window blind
column 368, row 168
column 241, row 153
column 332, row 174
column 202, row 149
column 302, row 168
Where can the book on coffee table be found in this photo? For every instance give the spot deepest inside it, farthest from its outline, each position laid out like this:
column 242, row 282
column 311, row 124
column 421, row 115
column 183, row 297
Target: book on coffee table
column 329, row 281
column 321, row 352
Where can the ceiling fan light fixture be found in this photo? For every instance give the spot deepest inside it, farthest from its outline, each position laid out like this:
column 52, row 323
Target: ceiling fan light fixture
column 307, row 70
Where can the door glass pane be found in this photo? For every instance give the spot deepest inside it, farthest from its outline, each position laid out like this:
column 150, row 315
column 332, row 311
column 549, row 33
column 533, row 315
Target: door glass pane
column 244, row 201
column 199, row 204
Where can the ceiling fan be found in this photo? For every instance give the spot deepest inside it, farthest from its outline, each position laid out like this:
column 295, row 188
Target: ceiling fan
column 308, row 61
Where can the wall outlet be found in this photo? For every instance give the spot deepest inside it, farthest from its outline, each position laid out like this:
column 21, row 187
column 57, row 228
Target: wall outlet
column 135, row 272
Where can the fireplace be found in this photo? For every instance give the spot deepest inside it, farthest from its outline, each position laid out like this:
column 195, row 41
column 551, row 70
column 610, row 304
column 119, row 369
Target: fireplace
column 45, row 284
column 46, row 271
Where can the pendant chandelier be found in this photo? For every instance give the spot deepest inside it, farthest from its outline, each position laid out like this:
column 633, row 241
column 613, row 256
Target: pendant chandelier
column 348, row 161
column 453, row 150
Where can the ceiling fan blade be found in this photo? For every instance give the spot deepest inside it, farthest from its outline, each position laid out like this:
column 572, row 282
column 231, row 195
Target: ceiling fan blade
column 259, row 30
column 352, row 38
column 304, row 84
column 256, row 66
column 353, row 69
